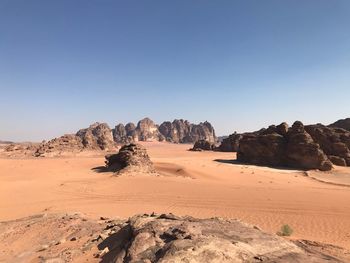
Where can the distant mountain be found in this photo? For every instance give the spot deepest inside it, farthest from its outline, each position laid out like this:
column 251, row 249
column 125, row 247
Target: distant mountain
column 343, row 123
column 5, row 142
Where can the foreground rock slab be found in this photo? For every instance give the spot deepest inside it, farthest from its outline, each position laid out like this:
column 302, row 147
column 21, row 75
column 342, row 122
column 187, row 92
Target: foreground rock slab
column 151, row 238
column 168, row 238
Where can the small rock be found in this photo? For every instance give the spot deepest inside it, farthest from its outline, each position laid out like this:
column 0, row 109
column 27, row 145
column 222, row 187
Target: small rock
column 73, row 239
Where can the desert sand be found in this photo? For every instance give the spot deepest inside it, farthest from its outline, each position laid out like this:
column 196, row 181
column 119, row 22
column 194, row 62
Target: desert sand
column 200, row 184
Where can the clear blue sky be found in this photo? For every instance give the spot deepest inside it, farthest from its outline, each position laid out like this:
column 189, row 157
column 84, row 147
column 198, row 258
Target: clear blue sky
column 239, row 64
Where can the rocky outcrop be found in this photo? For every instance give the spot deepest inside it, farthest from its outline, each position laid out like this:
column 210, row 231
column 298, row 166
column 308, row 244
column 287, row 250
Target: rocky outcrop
column 58, row 146
column 97, row 136
column 344, row 124
column 283, row 146
column 230, row 144
column 75, row 237
column 203, row 145
column 147, row 130
column 131, row 159
column 178, row 131
column 169, row 238
column 182, row 131
column 335, row 142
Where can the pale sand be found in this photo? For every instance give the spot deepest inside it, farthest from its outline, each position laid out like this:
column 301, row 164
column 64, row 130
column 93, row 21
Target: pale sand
column 262, row 196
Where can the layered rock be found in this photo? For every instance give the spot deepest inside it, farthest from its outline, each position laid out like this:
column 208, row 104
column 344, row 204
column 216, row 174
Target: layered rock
column 281, row 146
column 335, row 142
column 66, row 143
column 97, row 136
column 169, row 238
column 131, row 159
column 344, row 124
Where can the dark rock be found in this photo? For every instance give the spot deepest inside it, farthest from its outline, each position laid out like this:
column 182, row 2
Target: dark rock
column 344, row 124
column 131, row 158
column 333, row 141
column 277, row 146
column 337, row 160
column 230, row 144
column 203, row 145
column 303, row 152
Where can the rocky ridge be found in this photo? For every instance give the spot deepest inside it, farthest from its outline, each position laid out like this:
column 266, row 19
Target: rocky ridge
column 178, row 131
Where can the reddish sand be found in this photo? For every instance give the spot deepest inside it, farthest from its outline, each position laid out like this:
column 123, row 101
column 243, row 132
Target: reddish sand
column 193, row 183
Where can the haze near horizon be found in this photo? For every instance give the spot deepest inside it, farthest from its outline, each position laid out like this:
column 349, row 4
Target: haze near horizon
column 241, row 65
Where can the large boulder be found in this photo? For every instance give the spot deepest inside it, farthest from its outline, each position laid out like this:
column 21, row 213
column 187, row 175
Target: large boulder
column 283, row 146
column 169, row 238
column 131, row 159
column 230, row 144
column 97, row 136
column 264, row 149
column 203, row 145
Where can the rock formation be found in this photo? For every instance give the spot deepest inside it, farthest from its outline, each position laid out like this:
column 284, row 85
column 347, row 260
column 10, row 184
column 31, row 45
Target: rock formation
column 335, row 142
column 230, row 144
column 147, row 130
column 131, row 159
column 152, row 238
column 203, row 145
column 169, row 238
column 344, row 124
column 66, row 143
column 178, row 131
column 280, row 146
column 97, row 136
column 182, row 131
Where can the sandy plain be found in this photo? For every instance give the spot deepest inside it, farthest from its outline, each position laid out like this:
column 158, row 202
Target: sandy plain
column 201, row 184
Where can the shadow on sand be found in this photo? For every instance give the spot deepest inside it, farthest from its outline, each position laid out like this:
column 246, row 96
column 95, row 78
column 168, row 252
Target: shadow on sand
column 235, row 162
column 101, row 169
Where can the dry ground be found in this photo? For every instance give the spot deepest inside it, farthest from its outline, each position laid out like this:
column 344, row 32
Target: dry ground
column 193, row 183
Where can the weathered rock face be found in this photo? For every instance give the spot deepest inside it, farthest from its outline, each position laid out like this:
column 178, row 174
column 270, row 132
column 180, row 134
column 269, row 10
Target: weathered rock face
column 182, row 131
column 168, row 238
column 344, row 124
column 97, row 136
column 303, row 152
column 280, row 146
column 178, row 131
column 58, row 146
column 230, row 144
column 335, row 142
column 147, row 130
column 203, row 145
column 131, row 159
column 156, row 238
column 119, row 133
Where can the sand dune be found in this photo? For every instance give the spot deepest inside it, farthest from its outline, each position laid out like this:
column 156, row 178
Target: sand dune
column 192, row 183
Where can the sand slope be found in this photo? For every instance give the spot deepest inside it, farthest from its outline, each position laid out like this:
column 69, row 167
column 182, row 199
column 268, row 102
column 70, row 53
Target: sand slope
column 192, row 183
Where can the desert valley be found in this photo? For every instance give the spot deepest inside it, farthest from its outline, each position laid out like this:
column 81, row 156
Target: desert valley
column 74, row 202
